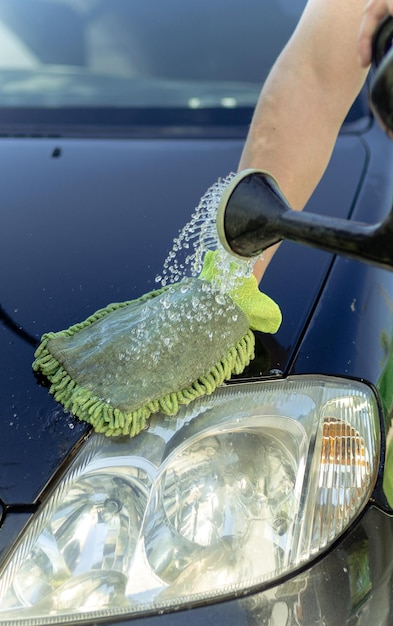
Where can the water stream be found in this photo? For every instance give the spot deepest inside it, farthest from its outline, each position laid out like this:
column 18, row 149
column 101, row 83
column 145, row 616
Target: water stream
column 197, row 237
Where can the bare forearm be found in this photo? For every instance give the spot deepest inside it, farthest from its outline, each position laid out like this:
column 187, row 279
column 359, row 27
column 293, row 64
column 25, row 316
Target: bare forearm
column 290, row 136
column 306, row 98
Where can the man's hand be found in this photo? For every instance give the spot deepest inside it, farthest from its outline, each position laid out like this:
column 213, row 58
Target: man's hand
column 374, row 12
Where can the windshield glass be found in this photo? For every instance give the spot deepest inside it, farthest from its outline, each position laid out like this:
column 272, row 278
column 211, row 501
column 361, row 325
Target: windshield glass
column 139, row 64
column 139, row 53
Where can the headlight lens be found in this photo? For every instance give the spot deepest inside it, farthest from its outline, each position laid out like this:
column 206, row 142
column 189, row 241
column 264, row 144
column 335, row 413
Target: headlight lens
column 241, row 488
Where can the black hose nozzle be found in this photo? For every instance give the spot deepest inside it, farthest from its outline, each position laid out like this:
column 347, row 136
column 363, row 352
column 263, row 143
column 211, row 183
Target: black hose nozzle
column 243, row 228
column 254, row 215
column 381, row 92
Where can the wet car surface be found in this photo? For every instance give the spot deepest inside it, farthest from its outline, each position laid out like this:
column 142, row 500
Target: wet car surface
column 102, row 164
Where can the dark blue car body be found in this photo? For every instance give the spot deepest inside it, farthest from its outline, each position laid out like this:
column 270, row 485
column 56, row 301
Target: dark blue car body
column 91, row 199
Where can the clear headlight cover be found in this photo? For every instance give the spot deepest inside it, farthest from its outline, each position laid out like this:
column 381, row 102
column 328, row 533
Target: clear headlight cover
column 239, row 489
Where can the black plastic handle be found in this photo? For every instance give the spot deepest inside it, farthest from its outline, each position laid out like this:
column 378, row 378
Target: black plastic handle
column 381, row 92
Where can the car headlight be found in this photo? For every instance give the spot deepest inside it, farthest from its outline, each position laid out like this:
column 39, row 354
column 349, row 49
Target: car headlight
column 239, row 489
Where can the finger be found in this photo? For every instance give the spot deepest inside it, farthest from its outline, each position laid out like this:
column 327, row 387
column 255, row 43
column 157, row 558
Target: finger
column 373, row 14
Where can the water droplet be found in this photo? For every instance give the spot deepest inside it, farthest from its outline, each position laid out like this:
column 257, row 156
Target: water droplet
column 220, row 299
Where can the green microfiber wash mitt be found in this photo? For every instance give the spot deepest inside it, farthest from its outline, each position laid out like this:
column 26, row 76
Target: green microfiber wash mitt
column 158, row 352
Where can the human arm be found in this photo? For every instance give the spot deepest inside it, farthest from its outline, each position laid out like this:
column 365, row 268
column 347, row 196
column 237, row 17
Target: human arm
column 304, row 101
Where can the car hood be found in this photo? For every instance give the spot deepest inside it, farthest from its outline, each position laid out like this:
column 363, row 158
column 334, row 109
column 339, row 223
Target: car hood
column 88, row 222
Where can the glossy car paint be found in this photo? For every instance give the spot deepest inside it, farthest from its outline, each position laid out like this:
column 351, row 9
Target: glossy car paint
column 117, row 224
column 108, row 246
column 87, row 217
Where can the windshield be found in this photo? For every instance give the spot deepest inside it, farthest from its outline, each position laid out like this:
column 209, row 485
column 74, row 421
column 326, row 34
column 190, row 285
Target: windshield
column 140, row 55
